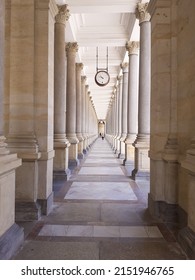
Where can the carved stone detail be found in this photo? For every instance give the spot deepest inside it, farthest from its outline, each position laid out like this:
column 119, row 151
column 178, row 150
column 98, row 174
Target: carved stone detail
column 63, row 14
column 142, row 13
column 124, row 66
column 72, row 47
column 83, row 78
column 132, row 47
column 79, row 66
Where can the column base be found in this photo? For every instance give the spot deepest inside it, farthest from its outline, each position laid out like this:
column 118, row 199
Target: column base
column 11, row 241
column 168, row 213
column 62, row 174
column 139, row 174
column 186, row 239
column 27, row 211
column 72, row 163
column 46, row 204
column 85, row 151
column 81, row 156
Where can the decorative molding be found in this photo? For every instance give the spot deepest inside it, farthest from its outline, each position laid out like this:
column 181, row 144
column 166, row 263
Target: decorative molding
column 83, row 79
column 72, row 47
column 132, row 47
column 142, row 13
column 3, row 146
column 124, row 66
column 120, row 78
column 79, row 66
column 63, row 14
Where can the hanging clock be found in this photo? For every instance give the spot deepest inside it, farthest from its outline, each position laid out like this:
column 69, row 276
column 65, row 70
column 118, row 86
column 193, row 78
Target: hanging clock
column 102, row 78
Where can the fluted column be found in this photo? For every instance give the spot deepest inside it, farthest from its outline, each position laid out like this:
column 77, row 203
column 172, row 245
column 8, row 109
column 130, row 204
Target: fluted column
column 71, row 50
column 132, row 111
column 10, row 233
column 61, row 143
column 142, row 163
column 79, row 67
column 125, row 68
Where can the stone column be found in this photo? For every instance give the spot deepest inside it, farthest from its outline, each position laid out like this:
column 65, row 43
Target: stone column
column 11, row 235
column 71, row 49
column 21, row 88
column 61, row 144
column 87, row 116
column 116, row 118
column 79, row 67
column 132, row 111
column 142, row 163
column 83, row 99
column 125, row 69
column 120, row 84
column 164, row 151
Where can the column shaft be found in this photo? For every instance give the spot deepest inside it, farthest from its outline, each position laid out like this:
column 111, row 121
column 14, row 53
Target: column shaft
column 132, row 120
column 71, row 50
column 79, row 67
column 61, row 144
column 11, row 235
column 124, row 67
column 142, row 163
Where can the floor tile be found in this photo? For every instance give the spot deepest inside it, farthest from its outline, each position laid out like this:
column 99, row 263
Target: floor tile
column 101, row 190
column 100, row 171
column 133, row 231
column 45, row 250
column 77, row 230
column 153, row 231
column 106, row 231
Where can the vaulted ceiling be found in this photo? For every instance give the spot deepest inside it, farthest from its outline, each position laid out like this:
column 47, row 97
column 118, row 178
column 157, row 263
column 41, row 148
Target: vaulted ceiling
column 101, row 24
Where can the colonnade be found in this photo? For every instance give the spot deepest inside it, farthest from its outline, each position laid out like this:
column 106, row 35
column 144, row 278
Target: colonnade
column 131, row 103
column 48, row 122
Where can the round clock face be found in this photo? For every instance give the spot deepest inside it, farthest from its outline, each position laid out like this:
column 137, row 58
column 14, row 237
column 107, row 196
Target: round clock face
column 102, row 78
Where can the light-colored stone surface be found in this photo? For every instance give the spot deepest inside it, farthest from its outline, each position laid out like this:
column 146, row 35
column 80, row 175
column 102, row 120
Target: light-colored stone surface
column 100, row 171
column 101, row 190
column 101, row 231
column 8, row 164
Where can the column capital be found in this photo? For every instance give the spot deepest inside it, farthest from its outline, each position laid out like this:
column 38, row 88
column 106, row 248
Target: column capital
column 124, row 66
column 79, row 66
column 119, row 78
column 72, row 47
column 142, row 13
column 132, row 47
column 63, row 14
column 83, row 79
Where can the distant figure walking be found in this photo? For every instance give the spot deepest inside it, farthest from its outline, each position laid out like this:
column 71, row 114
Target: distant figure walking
column 102, row 137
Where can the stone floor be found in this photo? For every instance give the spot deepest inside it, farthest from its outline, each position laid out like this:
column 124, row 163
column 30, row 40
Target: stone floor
column 100, row 213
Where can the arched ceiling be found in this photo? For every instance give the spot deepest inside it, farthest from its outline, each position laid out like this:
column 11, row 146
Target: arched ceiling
column 102, row 24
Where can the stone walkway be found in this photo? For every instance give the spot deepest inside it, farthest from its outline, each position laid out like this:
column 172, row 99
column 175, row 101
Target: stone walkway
column 100, row 213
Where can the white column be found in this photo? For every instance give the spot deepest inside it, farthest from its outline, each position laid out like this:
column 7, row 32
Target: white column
column 10, row 233
column 132, row 111
column 116, row 117
column 71, row 49
column 79, row 67
column 125, row 68
column 142, row 163
column 120, row 84
column 83, row 81
column 61, row 144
